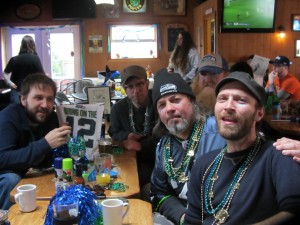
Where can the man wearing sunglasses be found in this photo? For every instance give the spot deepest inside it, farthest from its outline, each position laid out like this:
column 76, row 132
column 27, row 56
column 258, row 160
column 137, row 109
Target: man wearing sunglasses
column 132, row 120
column 213, row 68
column 281, row 82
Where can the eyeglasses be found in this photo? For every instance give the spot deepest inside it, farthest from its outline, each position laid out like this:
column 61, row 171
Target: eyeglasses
column 138, row 85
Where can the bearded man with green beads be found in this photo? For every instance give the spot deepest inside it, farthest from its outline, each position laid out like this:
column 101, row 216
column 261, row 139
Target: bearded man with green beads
column 185, row 135
column 247, row 181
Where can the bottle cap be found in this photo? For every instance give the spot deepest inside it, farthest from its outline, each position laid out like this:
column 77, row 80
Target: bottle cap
column 67, row 164
column 85, row 176
column 58, row 163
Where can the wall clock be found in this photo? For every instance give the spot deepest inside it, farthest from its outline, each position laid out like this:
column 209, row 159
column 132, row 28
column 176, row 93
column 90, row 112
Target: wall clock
column 28, row 11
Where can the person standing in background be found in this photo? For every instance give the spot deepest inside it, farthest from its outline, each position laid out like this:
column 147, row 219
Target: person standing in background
column 185, row 58
column 20, row 66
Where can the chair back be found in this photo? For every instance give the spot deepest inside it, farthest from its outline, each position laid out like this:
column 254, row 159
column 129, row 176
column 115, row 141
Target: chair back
column 61, row 98
column 81, row 84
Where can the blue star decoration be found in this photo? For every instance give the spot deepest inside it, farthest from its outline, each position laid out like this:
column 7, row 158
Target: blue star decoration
column 109, row 75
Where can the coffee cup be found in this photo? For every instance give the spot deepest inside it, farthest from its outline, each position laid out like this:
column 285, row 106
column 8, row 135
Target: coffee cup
column 26, row 197
column 113, row 211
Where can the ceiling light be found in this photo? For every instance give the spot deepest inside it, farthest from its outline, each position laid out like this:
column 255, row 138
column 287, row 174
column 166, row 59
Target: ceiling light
column 112, row 2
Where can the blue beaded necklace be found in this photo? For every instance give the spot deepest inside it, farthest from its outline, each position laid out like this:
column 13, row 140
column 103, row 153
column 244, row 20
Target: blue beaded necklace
column 179, row 174
column 220, row 212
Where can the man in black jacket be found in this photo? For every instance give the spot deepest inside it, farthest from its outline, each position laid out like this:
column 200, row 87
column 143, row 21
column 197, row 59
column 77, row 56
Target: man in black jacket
column 29, row 131
column 132, row 120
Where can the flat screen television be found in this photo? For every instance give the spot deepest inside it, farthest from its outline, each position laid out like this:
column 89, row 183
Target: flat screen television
column 250, row 16
column 296, row 22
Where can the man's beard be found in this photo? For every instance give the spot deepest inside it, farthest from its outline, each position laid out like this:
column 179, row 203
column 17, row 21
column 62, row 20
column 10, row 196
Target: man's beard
column 240, row 130
column 178, row 127
column 33, row 116
column 206, row 99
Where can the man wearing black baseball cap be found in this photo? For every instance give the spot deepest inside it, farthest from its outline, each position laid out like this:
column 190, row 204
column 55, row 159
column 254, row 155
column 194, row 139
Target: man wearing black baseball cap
column 247, row 174
column 281, row 82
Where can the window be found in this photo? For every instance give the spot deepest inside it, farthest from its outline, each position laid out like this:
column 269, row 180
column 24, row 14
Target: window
column 57, row 47
column 133, row 41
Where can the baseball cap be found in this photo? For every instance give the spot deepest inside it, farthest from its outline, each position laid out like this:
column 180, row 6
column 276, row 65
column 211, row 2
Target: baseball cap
column 169, row 83
column 213, row 63
column 133, row 71
column 281, row 60
column 257, row 91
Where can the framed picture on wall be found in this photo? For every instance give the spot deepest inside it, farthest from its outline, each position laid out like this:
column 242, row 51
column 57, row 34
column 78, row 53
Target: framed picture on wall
column 172, row 31
column 296, row 22
column 169, row 7
column 137, row 6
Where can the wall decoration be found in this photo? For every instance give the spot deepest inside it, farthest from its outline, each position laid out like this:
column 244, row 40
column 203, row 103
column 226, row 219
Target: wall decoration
column 110, row 11
column 172, row 34
column 297, row 48
column 169, row 7
column 28, row 11
column 296, row 22
column 95, row 44
column 134, row 6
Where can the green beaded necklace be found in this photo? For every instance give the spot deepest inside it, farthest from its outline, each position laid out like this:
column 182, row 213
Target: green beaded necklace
column 179, row 174
column 220, row 212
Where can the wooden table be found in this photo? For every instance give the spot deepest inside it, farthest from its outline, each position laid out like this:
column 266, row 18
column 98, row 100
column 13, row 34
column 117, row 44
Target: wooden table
column 139, row 213
column 129, row 176
column 285, row 127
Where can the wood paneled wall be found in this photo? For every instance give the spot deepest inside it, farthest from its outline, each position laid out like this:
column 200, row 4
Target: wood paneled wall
column 94, row 62
column 238, row 46
column 98, row 26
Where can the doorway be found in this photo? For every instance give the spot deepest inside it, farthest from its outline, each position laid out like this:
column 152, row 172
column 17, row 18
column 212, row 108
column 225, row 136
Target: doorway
column 209, row 34
column 57, row 47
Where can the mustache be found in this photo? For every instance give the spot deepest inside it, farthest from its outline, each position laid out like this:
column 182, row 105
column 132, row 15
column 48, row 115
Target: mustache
column 42, row 110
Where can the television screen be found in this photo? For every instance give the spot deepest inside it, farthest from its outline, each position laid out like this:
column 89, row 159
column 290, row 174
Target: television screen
column 296, row 22
column 248, row 15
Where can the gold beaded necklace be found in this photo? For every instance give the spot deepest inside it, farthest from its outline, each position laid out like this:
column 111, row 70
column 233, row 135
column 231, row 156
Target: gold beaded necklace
column 220, row 212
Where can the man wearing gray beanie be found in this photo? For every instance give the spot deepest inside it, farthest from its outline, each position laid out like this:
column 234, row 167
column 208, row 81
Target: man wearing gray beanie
column 185, row 135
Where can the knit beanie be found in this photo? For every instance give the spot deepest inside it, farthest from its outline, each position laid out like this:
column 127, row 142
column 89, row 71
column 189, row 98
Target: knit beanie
column 166, row 83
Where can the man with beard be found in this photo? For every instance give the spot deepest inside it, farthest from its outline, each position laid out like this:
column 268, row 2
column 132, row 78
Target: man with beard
column 247, row 181
column 132, row 120
column 213, row 68
column 29, row 131
column 186, row 135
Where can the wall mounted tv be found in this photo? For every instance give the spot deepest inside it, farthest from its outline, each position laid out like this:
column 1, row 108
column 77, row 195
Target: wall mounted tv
column 73, row 9
column 249, row 16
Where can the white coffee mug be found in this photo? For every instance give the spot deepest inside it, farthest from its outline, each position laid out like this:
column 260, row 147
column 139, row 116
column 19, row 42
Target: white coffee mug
column 113, row 211
column 26, row 197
